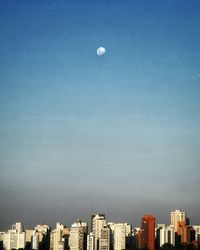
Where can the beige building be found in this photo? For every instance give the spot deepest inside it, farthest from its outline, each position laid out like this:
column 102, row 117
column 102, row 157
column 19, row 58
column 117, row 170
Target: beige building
column 177, row 216
column 56, row 238
column 77, row 238
column 104, row 241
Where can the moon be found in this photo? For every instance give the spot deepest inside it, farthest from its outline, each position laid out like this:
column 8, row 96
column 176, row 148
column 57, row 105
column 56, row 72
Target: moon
column 101, row 51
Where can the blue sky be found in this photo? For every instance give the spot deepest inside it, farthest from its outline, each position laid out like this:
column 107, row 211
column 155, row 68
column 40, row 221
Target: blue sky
column 79, row 133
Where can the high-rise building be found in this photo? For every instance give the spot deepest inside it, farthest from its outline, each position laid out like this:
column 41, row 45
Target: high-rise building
column 190, row 234
column 44, row 236
column 178, row 216
column 165, row 235
column 65, row 235
column 148, row 231
column 170, row 235
column 90, row 241
column 56, row 240
column 28, row 236
column 187, row 233
column 14, row 238
column 35, row 241
column 78, row 236
column 119, row 236
column 138, row 234
column 104, row 241
column 160, row 235
column 120, row 232
column 98, row 221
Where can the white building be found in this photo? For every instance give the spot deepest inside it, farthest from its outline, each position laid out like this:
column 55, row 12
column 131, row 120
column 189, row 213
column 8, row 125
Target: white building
column 170, row 235
column 56, row 239
column 120, row 231
column 35, row 240
column 162, row 234
column 166, row 234
column 98, row 222
column 78, row 232
column 177, row 216
column 14, row 238
column 90, row 241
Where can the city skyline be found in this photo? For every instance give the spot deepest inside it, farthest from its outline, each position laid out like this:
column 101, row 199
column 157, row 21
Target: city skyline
column 104, row 219
column 82, row 133
column 105, row 235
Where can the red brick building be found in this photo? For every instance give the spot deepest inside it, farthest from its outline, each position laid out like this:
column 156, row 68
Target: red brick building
column 148, row 232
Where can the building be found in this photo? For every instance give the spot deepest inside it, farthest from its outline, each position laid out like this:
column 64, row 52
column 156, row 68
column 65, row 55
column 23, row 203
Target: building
column 14, row 238
column 119, row 239
column 28, row 237
column 56, row 240
column 98, row 221
column 120, row 232
column 90, row 241
column 138, row 235
column 197, row 233
column 1, row 240
column 78, row 236
column 104, row 241
column 178, row 216
column 160, row 235
column 165, row 235
column 186, row 233
column 148, row 232
column 65, row 235
column 35, row 241
column 43, row 235
column 170, row 235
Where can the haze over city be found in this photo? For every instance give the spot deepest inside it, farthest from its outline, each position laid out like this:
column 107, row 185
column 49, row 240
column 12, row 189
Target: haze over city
column 81, row 133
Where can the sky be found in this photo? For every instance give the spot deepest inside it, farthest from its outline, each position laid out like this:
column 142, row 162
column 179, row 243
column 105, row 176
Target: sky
column 117, row 134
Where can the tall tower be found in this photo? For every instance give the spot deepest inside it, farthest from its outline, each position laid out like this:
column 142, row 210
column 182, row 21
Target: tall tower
column 119, row 236
column 176, row 217
column 98, row 221
column 148, row 231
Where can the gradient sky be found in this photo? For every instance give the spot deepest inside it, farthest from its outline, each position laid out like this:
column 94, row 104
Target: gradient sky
column 79, row 133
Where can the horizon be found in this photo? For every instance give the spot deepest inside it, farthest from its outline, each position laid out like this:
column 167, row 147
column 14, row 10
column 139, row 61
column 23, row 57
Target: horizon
column 88, row 221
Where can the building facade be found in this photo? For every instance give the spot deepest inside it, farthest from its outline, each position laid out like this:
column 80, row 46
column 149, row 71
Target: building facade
column 14, row 238
column 148, row 232
column 177, row 216
column 78, row 236
column 98, row 221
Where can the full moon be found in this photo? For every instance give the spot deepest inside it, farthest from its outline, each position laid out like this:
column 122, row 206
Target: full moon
column 101, row 51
